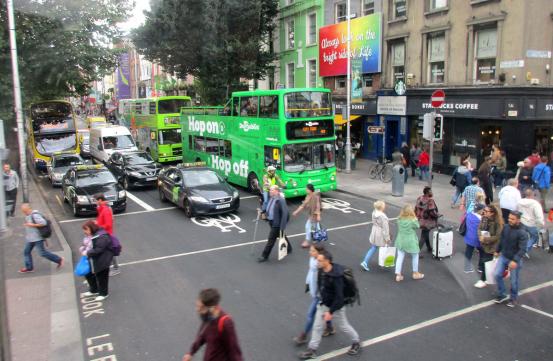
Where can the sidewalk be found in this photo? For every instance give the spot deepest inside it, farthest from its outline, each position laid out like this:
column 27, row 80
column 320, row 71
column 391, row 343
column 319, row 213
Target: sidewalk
column 43, row 314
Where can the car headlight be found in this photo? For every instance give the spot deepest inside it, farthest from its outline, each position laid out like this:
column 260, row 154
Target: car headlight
column 122, row 194
column 332, row 177
column 235, row 194
column 198, row 199
column 83, row 199
column 134, row 174
column 58, row 175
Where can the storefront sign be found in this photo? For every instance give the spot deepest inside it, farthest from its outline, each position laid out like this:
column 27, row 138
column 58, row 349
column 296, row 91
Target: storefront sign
column 512, row 107
column 491, row 108
column 375, row 130
column 543, row 54
column 507, row 64
column 544, row 109
column 365, row 44
column 389, row 105
column 364, row 108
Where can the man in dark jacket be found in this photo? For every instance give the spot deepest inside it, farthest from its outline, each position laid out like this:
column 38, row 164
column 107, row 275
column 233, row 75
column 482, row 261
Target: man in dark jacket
column 511, row 248
column 330, row 288
column 278, row 216
column 217, row 330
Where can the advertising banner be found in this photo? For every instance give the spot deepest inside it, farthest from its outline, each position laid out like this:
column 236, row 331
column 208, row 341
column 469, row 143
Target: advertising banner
column 123, row 77
column 366, row 45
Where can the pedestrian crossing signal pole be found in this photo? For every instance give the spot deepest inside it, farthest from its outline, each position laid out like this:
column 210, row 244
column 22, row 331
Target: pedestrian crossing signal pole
column 437, row 99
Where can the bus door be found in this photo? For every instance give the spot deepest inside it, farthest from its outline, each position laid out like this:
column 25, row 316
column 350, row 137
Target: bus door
column 153, row 144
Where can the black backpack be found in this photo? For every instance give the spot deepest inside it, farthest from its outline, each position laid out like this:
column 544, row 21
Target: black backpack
column 351, row 292
column 46, row 230
column 461, row 181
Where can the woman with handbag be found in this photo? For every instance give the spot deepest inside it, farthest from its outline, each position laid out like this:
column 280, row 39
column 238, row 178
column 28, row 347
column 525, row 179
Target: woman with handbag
column 407, row 242
column 311, row 203
column 489, row 232
column 380, row 232
column 100, row 256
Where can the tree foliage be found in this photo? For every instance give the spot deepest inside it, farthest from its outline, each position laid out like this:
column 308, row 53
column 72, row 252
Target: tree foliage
column 63, row 46
column 217, row 41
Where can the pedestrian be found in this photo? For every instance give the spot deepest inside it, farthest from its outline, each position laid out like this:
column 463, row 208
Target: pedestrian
column 414, row 156
column 465, row 159
column 100, row 256
column 541, row 175
column 311, row 287
column 407, row 242
column 525, row 177
column 462, row 177
column 500, row 169
column 406, row 159
column 270, row 178
column 104, row 219
column 531, row 217
column 489, row 231
column 330, row 287
column 311, row 203
column 424, row 164
column 484, row 174
column 11, row 184
column 471, row 238
column 509, row 196
column 217, row 330
column 426, row 211
column 511, row 247
column 495, row 154
column 380, row 232
column 278, row 216
column 534, row 158
column 468, row 198
column 33, row 221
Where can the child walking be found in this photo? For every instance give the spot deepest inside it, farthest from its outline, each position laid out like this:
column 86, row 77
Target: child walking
column 407, row 242
column 380, row 232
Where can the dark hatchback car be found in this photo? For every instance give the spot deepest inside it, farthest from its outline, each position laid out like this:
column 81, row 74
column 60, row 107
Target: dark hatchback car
column 81, row 183
column 134, row 169
column 198, row 190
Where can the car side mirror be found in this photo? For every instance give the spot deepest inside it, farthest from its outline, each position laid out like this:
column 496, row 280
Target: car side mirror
column 100, row 147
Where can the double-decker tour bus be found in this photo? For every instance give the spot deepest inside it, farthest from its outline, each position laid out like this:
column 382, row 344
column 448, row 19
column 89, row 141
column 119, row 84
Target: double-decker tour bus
column 155, row 125
column 291, row 129
column 51, row 129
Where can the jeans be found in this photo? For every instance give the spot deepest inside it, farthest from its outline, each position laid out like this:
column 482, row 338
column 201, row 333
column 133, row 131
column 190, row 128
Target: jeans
column 502, row 263
column 340, row 320
column 413, row 167
column 469, row 251
column 401, row 257
column 425, row 172
column 309, row 228
column 484, row 257
column 532, row 237
column 456, row 196
column 543, row 196
column 98, row 282
column 12, row 196
column 265, row 201
column 42, row 251
column 311, row 316
column 369, row 254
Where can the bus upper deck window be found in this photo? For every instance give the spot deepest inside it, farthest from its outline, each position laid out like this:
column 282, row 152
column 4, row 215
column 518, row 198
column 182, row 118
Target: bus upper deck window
column 248, row 107
column 268, row 107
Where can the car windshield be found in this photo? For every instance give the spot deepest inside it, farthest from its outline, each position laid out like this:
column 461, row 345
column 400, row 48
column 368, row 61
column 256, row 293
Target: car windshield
column 118, row 142
column 308, row 156
column 67, row 162
column 48, row 145
column 85, row 179
column 307, row 104
column 172, row 106
column 194, row 178
column 170, row 136
column 138, row 158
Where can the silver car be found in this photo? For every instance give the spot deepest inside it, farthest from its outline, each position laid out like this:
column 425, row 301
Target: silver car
column 60, row 164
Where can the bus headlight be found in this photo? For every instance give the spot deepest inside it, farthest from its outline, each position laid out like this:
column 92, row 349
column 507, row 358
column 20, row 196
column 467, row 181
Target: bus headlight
column 82, row 199
column 122, row 194
column 293, row 183
column 332, row 178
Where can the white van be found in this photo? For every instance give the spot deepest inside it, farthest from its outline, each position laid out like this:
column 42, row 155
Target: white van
column 104, row 141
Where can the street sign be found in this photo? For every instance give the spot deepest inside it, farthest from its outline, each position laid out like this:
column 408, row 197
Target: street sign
column 437, row 98
column 375, row 130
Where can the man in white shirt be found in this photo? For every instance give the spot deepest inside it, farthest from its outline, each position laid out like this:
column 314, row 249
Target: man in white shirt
column 532, row 217
column 509, row 196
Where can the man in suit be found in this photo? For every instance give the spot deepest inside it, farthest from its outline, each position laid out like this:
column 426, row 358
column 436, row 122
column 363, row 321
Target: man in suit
column 278, row 216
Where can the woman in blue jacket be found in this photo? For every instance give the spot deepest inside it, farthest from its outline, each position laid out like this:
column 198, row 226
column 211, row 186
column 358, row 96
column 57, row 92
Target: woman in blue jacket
column 471, row 236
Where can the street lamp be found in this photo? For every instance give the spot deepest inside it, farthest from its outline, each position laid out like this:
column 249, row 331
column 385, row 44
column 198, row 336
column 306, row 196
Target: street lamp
column 348, row 90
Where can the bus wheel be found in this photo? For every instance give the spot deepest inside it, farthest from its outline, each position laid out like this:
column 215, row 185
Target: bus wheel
column 253, row 183
column 187, row 209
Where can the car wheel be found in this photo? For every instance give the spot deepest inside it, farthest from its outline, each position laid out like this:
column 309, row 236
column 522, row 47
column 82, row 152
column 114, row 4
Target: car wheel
column 162, row 197
column 253, row 183
column 187, row 209
column 126, row 183
column 74, row 208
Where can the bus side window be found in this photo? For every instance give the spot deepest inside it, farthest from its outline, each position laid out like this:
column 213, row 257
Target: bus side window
column 248, row 107
column 268, row 107
column 272, row 156
column 226, row 148
column 190, row 142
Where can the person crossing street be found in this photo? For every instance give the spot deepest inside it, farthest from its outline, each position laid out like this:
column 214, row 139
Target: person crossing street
column 104, row 219
column 278, row 216
column 270, row 178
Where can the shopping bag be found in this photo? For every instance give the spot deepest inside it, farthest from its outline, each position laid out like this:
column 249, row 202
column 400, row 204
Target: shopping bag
column 320, row 234
column 387, row 256
column 490, row 270
column 83, row 267
column 282, row 247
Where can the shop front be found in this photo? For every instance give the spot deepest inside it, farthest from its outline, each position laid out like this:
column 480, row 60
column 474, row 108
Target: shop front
column 362, row 116
column 392, row 114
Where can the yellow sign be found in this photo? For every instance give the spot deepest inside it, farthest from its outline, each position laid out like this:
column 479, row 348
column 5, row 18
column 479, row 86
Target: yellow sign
column 276, row 154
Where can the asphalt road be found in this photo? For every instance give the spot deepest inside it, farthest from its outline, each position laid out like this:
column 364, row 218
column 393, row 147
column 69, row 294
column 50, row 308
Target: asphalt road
column 167, row 258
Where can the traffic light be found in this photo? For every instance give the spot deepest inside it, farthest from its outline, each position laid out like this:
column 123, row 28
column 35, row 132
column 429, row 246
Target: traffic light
column 438, row 124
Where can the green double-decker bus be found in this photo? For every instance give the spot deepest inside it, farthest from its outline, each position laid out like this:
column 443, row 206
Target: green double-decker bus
column 155, row 125
column 291, row 129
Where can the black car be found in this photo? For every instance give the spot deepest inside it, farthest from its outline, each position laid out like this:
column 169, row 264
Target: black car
column 133, row 169
column 81, row 183
column 198, row 190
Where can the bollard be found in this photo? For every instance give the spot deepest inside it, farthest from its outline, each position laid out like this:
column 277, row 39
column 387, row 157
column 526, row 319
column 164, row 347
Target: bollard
column 398, row 180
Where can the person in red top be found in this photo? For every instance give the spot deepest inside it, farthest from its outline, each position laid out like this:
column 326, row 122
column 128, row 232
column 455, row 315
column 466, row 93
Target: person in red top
column 105, row 220
column 217, row 330
column 424, row 163
column 534, row 158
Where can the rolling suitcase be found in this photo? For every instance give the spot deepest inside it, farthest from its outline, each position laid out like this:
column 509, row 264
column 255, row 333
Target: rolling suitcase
column 442, row 242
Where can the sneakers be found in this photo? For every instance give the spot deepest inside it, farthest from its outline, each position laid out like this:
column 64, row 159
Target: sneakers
column 527, row 255
column 469, row 270
column 354, row 349
column 365, row 266
column 24, row 270
column 300, row 340
column 89, row 294
column 500, row 299
column 480, row 284
column 512, row 303
column 329, row 331
column 101, row 298
column 262, row 259
column 60, row 265
column 114, row 272
column 307, row 354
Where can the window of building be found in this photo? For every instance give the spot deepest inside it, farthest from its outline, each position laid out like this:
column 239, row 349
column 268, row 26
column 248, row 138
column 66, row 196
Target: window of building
column 399, row 9
column 436, row 58
column 290, row 75
column 368, row 7
column 312, row 73
column 268, row 106
column 486, row 52
column 437, row 4
column 398, row 61
column 368, row 81
column 311, row 29
column 341, row 12
column 340, row 82
column 290, row 40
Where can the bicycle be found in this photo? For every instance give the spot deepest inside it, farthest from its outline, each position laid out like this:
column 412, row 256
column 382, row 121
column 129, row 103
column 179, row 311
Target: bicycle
column 384, row 170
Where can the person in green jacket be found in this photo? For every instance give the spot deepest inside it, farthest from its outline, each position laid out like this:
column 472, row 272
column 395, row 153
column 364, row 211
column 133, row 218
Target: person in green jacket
column 407, row 242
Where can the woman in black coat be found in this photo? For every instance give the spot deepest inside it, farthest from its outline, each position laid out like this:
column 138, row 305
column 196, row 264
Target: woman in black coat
column 100, row 257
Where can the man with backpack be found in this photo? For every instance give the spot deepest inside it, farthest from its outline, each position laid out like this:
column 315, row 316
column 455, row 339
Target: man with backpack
column 36, row 231
column 461, row 179
column 335, row 291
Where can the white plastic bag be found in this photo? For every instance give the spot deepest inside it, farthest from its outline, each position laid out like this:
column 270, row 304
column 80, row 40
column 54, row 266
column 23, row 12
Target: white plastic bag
column 387, row 256
column 282, row 247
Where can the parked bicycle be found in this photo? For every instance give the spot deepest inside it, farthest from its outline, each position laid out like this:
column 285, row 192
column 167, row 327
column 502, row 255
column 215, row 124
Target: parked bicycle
column 382, row 170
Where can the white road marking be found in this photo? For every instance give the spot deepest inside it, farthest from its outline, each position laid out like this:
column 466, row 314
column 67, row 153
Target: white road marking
column 140, row 202
column 118, row 215
column 59, row 201
column 428, row 323
column 537, row 311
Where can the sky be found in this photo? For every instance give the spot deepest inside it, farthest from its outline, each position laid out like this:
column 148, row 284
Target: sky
column 137, row 16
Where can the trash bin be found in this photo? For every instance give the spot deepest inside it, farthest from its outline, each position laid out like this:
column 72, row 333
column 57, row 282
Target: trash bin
column 353, row 161
column 398, row 180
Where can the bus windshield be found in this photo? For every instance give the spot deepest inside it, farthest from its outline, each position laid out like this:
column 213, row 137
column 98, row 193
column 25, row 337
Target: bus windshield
column 172, row 106
column 170, row 136
column 308, row 156
column 49, row 144
column 118, row 142
column 308, row 104
column 52, row 117
column 67, row 161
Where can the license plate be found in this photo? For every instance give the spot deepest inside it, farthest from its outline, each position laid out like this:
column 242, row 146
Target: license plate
column 151, row 178
column 222, row 206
